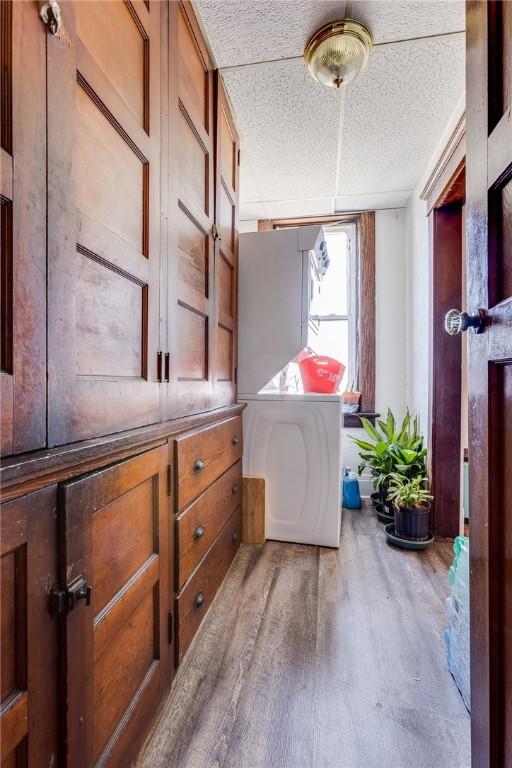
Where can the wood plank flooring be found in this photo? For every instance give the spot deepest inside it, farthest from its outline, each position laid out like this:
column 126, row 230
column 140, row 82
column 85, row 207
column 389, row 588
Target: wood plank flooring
column 316, row 658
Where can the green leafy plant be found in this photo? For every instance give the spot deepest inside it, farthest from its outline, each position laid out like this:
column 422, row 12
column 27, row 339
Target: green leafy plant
column 408, row 492
column 393, row 450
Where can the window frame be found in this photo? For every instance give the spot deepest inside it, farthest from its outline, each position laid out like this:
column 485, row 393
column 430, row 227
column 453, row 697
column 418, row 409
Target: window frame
column 365, row 296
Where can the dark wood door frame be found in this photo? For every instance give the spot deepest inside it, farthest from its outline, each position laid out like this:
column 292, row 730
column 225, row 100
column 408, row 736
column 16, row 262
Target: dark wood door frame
column 446, row 239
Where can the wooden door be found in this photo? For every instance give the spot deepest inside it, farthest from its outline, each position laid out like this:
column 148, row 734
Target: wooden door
column 115, row 534
column 227, row 163
column 103, row 218
column 23, row 228
column 29, row 658
column 191, row 330
column 489, row 275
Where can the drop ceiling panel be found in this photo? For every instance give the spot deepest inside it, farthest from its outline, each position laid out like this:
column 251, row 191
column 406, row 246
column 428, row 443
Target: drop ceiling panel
column 395, row 113
column 247, row 31
column 289, row 132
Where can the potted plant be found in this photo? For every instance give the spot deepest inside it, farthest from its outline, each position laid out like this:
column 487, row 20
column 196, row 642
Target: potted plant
column 412, row 507
column 393, row 450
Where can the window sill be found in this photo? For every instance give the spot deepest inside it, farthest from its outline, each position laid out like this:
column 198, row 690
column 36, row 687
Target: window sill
column 352, row 419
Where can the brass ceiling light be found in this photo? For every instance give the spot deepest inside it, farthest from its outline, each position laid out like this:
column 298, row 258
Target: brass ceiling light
column 338, row 51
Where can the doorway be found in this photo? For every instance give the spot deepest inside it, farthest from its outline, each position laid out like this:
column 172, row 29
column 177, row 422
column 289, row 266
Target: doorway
column 448, row 386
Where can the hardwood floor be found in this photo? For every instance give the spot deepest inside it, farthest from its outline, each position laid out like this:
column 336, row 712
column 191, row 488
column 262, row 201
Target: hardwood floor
column 313, row 658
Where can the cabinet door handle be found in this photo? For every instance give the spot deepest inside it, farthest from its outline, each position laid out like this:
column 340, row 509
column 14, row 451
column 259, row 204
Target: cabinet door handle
column 234, row 488
column 199, row 532
column 198, row 602
column 235, row 440
column 199, row 465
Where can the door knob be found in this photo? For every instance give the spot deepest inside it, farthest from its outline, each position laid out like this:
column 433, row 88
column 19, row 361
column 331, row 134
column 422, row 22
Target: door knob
column 456, row 321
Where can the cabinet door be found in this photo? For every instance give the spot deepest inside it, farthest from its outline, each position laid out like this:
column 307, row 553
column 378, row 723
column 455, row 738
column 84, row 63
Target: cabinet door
column 103, row 218
column 29, row 663
column 191, row 215
column 115, row 535
column 23, row 228
column 227, row 160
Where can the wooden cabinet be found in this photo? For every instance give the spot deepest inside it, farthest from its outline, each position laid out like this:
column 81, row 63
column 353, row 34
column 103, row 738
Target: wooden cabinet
column 198, row 525
column 119, row 214
column 115, row 534
column 204, row 455
column 208, row 530
column 23, row 228
column 203, row 227
column 29, row 641
column 196, row 597
column 92, row 564
column 227, row 164
column 119, row 238
column 190, row 298
column 103, row 219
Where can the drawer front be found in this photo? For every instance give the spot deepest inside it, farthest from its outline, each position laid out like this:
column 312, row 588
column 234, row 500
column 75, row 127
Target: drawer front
column 199, row 525
column 196, row 598
column 201, row 457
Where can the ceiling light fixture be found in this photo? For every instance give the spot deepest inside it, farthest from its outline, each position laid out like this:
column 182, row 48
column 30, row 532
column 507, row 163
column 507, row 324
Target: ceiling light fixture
column 338, row 51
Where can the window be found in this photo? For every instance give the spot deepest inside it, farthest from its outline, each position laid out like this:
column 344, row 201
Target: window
column 333, row 331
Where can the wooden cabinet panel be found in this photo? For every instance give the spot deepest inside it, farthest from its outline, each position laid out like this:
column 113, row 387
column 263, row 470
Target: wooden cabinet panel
column 190, row 274
column 29, row 641
column 202, row 456
column 198, row 526
column 120, row 45
column 226, row 247
column 23, row 229
column 197, row 597
column 103, row 219
column 116, row 535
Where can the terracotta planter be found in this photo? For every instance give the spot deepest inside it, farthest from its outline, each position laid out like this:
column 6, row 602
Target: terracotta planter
column 412, row 522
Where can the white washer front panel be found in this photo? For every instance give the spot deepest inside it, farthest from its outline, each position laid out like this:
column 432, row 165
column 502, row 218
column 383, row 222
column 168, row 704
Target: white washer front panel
column 296, row 447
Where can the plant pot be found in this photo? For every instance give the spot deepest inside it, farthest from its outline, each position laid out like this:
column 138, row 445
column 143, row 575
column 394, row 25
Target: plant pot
column 412, row 522
column 384, row 517
column 376, row 500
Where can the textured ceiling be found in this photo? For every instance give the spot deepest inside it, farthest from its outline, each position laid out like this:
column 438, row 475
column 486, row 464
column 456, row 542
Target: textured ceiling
column 306, row 149
column 247, row 31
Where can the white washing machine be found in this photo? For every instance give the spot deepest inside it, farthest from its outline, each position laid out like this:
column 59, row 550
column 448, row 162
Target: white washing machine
column 294, row 442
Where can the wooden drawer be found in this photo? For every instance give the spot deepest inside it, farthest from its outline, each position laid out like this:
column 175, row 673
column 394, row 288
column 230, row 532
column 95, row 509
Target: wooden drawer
column 199, row 525
column 195, row 600
column 201, row 457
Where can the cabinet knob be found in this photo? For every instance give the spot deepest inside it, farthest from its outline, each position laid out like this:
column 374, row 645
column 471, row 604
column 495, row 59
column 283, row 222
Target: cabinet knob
column 234, row 536
column 234, row 488
column 199, row 465
column 199, row 532
column 198, row 602
column 235, row 440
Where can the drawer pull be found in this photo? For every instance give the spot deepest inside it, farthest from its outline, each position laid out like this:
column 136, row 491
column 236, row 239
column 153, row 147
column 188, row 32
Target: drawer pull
column 199, row 465
column 199, row 532
column 198, row 602
column 234, row 488
column 235, row 440
column 234, row 536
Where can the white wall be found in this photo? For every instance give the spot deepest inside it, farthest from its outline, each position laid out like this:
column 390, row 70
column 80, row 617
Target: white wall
column 390, row 290
column 418, row 308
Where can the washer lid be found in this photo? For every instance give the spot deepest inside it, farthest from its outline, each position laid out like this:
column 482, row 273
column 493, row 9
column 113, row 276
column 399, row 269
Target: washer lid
column 306, row 397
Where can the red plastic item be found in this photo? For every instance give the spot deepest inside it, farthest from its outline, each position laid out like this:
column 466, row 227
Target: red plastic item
column 321, row 374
